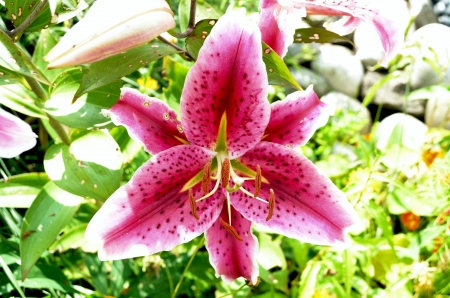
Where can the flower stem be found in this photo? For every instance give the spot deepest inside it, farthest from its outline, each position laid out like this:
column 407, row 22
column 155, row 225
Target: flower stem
column 175, row 46
column 191, row 23
column 33, row 16
column 199, row 245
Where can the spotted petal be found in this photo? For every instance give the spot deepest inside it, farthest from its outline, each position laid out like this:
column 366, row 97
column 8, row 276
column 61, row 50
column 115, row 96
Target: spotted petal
column 151, row 212
column 229, row 79
column 16, row 135
column 295, row 119
column 374, row 13
column 308, row 206
column 230, row 257
column 148, row 120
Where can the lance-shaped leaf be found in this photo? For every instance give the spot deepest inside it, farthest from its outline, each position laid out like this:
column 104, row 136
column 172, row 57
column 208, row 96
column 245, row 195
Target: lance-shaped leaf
column 20, row 191
column 90, row 167
column 20, row 10
column 16, row 59
column 114, row 68
column 318, row 35
column 20, row 99
column 8, row 77
column 86, row 112
column 50, row 212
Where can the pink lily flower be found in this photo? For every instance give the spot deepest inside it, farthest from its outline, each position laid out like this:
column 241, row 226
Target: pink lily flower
column 278, row 21
column 16, row 135
column 227, row 163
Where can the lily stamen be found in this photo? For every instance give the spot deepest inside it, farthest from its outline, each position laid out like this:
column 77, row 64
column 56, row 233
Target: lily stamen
column 230, row 229
column 206, row 178
column 257, row 181
column 193, row 204
column 251, row 195
column 225, row 172
column 271, row 204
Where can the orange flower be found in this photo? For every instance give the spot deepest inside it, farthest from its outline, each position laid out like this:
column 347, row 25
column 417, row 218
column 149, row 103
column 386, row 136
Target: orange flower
column 410, row 220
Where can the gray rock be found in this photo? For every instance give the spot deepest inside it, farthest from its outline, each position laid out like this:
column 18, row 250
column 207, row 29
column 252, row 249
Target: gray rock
column 392, row 94
column 427, row 43
column 423, row 12
column 437, row 113
column 343, row 102
column 369, row 49
column 340, row 67
column 306, row 77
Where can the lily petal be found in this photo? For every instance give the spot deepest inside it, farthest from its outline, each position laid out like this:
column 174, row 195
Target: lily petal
column 148, row 120
column 229, row 78
column 354, row 11
column 111, row 27
column 308, row 206
column 151, row 212
column 230, row 257
column 278, row 25
column 295, row 119
column 16, row 135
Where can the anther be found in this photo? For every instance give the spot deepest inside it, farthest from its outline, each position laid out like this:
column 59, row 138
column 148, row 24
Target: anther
column 271, row 204
column 257, row 181
column 206, row 178
column 225, row 173
column 230, row 229
column 193, row 204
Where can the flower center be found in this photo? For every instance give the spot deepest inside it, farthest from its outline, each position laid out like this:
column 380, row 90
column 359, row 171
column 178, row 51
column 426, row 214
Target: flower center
column 231, row 182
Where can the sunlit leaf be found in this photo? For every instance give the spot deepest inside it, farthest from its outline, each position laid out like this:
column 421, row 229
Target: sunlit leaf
column 18, row 98
column 381, row 218
column 47, row 40
column 21, row 190
column 318, row 35
column 90, row 167
column 309, row 279
column 112, row 69
column 204, row 10
column 49, row 213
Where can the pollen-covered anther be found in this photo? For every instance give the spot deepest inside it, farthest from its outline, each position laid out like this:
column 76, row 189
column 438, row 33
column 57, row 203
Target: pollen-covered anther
column 257, row 181
column 271, row 204
column 225, row 172
column 230, row 229
column 193, row 204
column 206, row 177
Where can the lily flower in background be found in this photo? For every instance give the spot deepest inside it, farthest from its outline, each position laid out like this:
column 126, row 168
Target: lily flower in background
column 16, row 135
column 228, row 162
column 111, row 27
column 280, row 18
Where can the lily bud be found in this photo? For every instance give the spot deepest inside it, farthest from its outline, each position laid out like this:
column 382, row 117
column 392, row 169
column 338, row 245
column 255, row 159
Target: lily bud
column 111, row 27
column 16, row 135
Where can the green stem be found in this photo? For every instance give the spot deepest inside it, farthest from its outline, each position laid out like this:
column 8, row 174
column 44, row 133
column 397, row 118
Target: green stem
column 59, row 130
column 191, row 23
column 169, row 278
column 234, row 292
column 199, row 245
column 33, row 16
column 175, row 46
column 2, row 163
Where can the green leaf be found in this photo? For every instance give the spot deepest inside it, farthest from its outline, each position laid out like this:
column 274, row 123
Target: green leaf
column 86, row 112
column 49, row 213
column 349, row 270
column 49, row 276
column 82, row 170
column 98, row 272
column 20, row 191
column 195, row 40
column 129, row 147
column 277, row 71
column 12, row 57
column 47, row 40
column 63, row 10
column 270, row 253
column 8, row 77
column 71, row 239
column 176, row 73
column 18, row 98
column 381, row 218
column 309, row 279
column 113, row 68
column 11, row 277
column 20, row 10
column 318, row 35
column 375, row 87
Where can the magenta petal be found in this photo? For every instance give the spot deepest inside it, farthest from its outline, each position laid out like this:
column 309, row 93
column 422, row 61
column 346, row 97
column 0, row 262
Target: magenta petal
column 151, row 213
column 276, row 36
column 148, row 120
column 295, row 119
column 308, row 206
column 230, row 257
column 229, row 77
column 16, row 135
